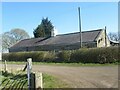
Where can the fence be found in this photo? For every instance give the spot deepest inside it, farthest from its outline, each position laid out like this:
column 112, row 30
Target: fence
column 34, row 79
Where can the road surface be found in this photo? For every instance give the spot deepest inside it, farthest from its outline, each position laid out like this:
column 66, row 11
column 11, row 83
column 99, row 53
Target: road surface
column 79, row 77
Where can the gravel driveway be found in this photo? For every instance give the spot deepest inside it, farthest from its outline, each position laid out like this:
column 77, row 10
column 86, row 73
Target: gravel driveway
column 80, row 77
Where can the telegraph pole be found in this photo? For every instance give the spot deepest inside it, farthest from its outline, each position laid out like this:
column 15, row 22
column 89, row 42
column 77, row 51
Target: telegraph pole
column 80, row 28
column 105, row 37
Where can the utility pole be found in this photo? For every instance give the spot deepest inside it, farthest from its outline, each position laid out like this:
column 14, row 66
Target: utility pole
column 105, row 37
column 80, row 28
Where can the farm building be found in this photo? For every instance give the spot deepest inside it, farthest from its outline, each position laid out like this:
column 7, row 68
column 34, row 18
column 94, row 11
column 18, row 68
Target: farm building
column 114, row 43
column 70, row 41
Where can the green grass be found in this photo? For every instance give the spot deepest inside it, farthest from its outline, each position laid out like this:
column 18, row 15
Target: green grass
column 13, row 80
column 19, row 80
column 51, row 82
column 74, row 64
column 64, row 64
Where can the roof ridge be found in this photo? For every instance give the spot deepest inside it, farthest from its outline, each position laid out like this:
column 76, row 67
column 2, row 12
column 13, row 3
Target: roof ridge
column 79, row 32
column 67, row 34
column 32, row 38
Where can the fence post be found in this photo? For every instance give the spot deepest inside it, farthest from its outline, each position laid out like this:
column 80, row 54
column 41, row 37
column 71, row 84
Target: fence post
column 29, row 68
column 41, row 80
column 5, row 66
column 32, row 81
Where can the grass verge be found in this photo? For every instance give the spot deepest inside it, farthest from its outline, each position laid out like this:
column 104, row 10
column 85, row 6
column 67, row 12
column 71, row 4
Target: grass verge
column 19, row 80
column 50, row 81
column 63, row 64
column 13, row 80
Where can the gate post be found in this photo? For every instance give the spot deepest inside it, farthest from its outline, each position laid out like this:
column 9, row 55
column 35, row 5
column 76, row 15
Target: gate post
column 5, row 66
column 29, row 68
column 38, row 81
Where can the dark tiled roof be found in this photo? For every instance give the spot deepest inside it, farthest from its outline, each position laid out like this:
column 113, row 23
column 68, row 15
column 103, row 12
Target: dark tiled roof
column 28, row 42
column 71, row 38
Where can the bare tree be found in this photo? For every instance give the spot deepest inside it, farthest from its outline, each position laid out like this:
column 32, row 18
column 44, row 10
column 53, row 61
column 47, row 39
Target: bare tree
column 18, row 34
column 10, row 38
column 7, row 41
column 114, row 36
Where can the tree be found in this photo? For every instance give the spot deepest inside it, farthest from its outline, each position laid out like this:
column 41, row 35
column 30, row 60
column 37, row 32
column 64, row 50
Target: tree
column 18, row 34
column 44, row 29
column 114, row 36
column 12, row 37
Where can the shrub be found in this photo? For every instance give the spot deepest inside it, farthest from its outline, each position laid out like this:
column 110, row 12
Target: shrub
column 64, row 56
column 36, row 56
column 95, row 55
column 84, row 55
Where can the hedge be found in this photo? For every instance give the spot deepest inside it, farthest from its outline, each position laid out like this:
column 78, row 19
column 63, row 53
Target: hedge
column 84, row 55
column 96, row 55
column 64, row 56
column 36, row 56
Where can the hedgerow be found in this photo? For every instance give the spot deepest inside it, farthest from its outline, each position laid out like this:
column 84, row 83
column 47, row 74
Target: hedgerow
column 84, row 55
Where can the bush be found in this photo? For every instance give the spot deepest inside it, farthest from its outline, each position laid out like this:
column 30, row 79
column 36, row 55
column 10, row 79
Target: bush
column 64, row 56
column 36, row 56
column 85, row 55
column 95, row 55
column 108, row 55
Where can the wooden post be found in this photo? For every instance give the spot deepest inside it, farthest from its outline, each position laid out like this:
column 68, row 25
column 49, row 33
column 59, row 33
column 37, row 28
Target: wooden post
column 29, row 68
column 105, row 37
column 5, row 66
column 80, row 28
column 32, row 81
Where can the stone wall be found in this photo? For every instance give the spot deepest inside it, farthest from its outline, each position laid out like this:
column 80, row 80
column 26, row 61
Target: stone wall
column 101, row 40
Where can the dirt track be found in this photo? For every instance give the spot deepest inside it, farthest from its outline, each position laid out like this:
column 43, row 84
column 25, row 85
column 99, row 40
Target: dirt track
column 80, row 77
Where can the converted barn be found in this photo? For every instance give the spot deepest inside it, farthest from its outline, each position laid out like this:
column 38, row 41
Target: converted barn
column 70, row 41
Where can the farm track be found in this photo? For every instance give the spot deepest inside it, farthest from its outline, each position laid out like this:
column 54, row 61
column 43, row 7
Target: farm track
column 79, row 77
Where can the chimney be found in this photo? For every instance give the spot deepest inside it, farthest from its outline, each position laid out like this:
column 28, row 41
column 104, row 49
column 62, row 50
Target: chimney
column 52, row 33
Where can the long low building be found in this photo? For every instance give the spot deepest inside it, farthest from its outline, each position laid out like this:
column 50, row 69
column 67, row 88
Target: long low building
column 70, row 41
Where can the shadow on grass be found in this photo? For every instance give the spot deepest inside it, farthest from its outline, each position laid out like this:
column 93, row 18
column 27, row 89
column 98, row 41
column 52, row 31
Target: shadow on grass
column 12, row 81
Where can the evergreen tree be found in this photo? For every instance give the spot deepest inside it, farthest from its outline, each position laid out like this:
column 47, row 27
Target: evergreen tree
column 44, row 29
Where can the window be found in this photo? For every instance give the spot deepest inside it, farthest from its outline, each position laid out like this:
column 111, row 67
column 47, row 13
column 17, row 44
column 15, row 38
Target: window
column 99, row 40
